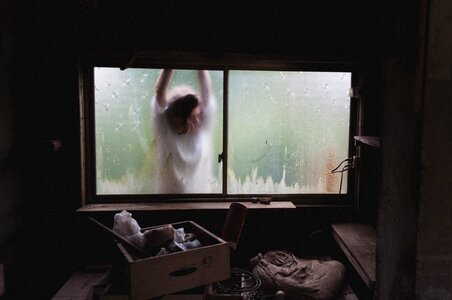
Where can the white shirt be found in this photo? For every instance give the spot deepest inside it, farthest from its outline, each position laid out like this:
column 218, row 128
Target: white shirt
column 184, row 162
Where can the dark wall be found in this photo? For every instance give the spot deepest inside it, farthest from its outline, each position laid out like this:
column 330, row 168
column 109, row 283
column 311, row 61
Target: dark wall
column 413, row 247
column 9, row 216
column 400, row 153
column 310, row 29
column 42, row 93
column 434, row 243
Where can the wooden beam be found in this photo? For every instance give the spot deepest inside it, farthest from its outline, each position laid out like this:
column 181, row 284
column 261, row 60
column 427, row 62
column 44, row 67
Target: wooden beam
column 372, row 141
column 130, row 61
column 202, row 60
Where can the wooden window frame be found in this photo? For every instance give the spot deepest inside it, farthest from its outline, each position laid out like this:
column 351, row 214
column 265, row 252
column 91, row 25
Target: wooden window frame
column 202, row 61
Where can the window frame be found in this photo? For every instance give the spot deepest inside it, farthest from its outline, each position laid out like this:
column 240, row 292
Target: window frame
column 225, row 64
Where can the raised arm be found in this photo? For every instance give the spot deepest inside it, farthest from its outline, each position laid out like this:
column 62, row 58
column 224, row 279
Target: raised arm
column 162, row 87
column 204, row 82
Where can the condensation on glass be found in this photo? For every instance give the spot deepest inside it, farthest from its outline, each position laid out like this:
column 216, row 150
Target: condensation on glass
column 126, row 145
column 287, row 131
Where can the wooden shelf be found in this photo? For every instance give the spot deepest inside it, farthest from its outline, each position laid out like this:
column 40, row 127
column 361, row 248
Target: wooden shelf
column 358, row 243
column 180, row 206
column 372, row 141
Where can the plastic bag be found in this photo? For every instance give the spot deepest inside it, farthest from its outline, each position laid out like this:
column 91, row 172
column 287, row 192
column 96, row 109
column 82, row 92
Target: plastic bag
column 185, row 241
column 125, row 225
column 128, row 227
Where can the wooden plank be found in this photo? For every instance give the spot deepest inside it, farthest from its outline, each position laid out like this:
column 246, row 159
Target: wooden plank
column 198, row 229
column 372, row 141
column 358, row 242
column 112, row 207
column 80, row 285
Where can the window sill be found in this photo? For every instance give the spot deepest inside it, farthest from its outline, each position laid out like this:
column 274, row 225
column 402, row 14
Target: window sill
column 179, row 206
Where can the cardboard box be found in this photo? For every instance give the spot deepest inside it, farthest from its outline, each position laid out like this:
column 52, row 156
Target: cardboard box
column 166, row 274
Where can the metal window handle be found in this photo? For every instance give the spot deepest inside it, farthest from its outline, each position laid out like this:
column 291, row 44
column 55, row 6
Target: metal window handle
column 220, row 157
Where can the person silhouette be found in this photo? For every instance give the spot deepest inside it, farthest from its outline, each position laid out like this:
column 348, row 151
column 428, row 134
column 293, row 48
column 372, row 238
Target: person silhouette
column 182, row 130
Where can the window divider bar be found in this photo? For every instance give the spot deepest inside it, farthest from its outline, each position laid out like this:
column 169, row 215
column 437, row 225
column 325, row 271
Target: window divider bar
column 355, row 127
column 83, row 91
column 225, row 131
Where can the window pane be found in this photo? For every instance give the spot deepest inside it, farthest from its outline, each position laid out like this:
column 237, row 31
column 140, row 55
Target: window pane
column 287, row 131
column 131, row 158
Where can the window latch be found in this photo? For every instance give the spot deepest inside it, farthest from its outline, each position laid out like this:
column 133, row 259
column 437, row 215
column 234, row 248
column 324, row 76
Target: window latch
column 220, row 157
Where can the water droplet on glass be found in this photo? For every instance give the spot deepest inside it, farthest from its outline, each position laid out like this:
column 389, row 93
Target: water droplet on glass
column 145, row 94
column 119, row 126
column 107, row 105
column 126, row 82
column 137, row 110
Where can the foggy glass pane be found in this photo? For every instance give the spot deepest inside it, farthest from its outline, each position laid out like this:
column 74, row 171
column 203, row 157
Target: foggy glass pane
column 287, row 131
column 126, row 148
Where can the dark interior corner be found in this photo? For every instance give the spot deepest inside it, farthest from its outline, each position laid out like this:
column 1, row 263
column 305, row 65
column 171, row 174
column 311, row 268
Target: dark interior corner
column 402, row 47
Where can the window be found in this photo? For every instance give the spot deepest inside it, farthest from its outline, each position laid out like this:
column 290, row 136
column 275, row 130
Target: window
column 127, row 146
column 271, row 132
column 287, row 131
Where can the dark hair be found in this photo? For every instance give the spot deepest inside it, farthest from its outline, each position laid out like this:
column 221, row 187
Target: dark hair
column 181, row 108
